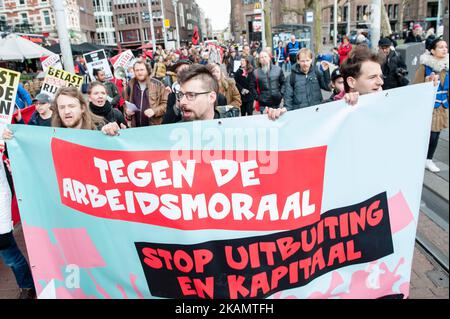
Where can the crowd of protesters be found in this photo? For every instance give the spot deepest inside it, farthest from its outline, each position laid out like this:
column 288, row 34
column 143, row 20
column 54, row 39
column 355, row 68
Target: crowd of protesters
column 213, row 81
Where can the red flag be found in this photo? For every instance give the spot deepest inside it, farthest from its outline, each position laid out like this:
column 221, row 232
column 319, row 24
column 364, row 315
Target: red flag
column 195, row 36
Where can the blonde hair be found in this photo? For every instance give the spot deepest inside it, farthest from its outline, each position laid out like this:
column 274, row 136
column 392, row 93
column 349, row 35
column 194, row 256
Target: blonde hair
column 305, row 51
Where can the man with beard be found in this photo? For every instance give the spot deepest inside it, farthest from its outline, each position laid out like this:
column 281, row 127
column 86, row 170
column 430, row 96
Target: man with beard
column 362, row 75
column 70, row 111
column 149, row 96
column 268, row 86
column 100, row 106
column 305, row 82
column 198, row 94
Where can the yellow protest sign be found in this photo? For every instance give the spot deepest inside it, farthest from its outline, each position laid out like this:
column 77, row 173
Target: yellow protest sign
column 9, row 81
column 56, row 78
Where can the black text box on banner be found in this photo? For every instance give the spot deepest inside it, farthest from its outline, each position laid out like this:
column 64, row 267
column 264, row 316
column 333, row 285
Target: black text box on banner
column 256, row 267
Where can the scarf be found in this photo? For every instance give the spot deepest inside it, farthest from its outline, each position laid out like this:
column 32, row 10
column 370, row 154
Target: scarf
column 102, row 111
column 436, row 64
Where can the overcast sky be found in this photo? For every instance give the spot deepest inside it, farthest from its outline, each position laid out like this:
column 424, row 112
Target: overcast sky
column 218, row 11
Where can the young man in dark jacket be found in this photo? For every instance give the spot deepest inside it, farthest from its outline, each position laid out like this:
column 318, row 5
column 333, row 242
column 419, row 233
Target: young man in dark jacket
column 393, row 67
column 305, row 82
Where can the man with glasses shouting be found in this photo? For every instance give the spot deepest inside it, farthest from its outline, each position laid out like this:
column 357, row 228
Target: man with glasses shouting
column 197, row 96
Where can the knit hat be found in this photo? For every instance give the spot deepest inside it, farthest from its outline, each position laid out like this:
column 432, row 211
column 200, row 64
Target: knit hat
column 384, row 42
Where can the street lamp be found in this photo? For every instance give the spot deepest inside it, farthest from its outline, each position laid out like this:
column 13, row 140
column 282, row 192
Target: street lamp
column 152, row 29
column 174, row 3
column 163, row 17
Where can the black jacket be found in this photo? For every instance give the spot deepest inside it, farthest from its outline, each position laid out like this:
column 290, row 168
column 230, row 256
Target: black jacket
column 271, row 86
column 303, row 90
column 244, row 82
column 109, row 113
column 394, row 71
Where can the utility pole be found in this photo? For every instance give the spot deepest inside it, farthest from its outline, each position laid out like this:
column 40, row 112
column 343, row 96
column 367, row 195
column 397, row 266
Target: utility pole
column 375, row 22
column 335, row 19
column 63, row 35
column 269, row 24
column 263, row 22
column 152, row 28
column 174, row 3
column 163, row 18
column 348, row 16
column 439, row 13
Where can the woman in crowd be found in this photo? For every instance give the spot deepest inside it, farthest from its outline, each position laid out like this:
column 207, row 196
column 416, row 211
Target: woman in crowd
column 435, row 61
column 227, row 87
column 244, row 76
column 99, row 105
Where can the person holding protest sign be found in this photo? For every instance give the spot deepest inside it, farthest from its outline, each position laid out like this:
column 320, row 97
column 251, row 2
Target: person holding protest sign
column 113, row 95
column 100, row 106
column 148, row 94
column 72, row 111
column 198, row 95
column 362, row 75
column 435, row 63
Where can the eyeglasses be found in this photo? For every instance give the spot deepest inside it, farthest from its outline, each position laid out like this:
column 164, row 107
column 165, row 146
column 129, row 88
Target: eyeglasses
column 190, row 96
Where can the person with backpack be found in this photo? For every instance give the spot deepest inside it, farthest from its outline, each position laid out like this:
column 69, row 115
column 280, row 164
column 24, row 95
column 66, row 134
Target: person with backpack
column 305, row 82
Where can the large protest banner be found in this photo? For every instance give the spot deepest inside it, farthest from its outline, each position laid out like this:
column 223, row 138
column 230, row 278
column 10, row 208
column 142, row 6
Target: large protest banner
column 322, row 203
column 9, row 82
column 56, row 78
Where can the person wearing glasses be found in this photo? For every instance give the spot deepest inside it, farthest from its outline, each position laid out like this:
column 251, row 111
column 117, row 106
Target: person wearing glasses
column 198, row 94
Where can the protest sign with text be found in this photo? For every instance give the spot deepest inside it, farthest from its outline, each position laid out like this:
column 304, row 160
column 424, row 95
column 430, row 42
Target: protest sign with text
column 56, row 78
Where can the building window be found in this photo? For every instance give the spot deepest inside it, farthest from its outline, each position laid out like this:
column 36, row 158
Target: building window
column 362, row 13
column 21, row 2
column 46, row 15
column 181, row 14
column 24, row 18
